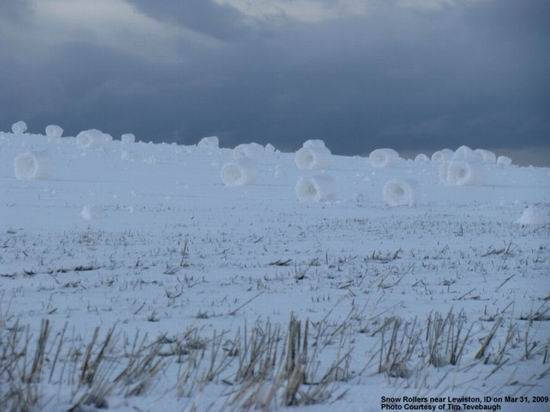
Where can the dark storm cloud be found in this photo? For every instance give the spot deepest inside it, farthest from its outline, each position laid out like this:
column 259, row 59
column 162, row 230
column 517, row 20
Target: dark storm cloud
column 415, row 79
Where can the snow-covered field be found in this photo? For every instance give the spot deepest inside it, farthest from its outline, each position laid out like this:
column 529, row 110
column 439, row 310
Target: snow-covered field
column 445, row 294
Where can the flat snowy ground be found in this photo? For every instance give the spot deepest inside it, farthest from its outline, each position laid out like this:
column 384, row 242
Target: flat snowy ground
column 449, row 297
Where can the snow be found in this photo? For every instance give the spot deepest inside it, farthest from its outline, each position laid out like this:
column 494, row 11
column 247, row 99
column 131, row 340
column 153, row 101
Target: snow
column 160, row 246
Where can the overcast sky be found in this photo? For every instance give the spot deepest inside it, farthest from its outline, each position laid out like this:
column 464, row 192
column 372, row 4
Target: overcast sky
column 409, row 74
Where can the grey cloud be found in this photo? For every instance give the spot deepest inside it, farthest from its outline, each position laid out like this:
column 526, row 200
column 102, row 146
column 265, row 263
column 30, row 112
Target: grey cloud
column 222, row 22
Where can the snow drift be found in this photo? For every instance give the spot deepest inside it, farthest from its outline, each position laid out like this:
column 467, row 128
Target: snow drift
column 32, row 165
column 242, row 172
column 310, row 158
column 397, row 192
column 383, row 157
column 54, row 131
column 19, row 127
column 315, row 189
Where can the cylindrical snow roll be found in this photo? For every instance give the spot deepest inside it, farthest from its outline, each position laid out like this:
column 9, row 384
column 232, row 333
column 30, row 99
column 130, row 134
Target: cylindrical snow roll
column 92, row 138
column 54, row 131
column 242, row 172
column 486, row 156
column 269, row 148
column 92, row 212
column 252, row 151
column 19, row 127
column 85, row 139
column 398, row 192
column 420, row 158
column 442, row 155
column 32, row 165
column 313, row 158
column 465, row 154
column 535, row 215
column 504, row 161
column 315, row 189
column 460, row 173
column 462, row 153
column 210, row 142
column 383, row 157
column 314, row 144
column 128, row 138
